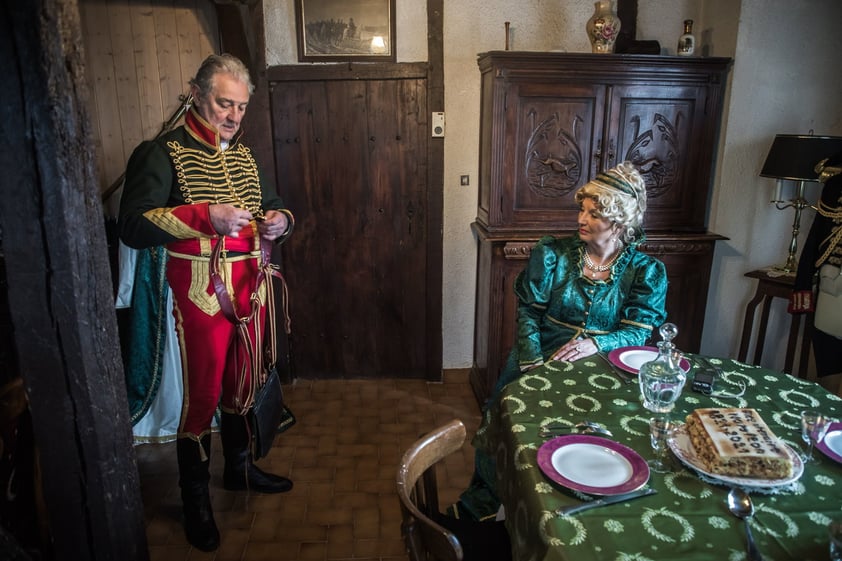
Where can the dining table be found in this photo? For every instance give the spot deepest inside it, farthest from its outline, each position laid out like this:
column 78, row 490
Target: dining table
column 687, row 517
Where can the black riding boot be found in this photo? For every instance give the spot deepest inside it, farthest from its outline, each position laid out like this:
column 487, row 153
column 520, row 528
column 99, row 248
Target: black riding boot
column 193, row 478
column 240, row 472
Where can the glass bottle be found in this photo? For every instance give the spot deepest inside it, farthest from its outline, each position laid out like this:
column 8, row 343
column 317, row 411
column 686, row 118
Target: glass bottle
column 662, row 379
column 687, row 42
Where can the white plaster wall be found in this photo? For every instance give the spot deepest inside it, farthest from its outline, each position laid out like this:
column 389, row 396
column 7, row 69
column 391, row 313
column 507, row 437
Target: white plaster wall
column 784, row 80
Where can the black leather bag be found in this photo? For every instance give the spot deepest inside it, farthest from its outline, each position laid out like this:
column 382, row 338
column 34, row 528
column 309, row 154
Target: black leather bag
column 268, row 415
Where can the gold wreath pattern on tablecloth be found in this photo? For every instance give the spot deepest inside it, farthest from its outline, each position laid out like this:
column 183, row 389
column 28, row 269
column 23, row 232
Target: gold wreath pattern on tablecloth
column 688, row 517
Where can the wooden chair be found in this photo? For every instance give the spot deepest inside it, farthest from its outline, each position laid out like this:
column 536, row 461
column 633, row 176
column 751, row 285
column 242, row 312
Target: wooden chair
column 429, row 534
column 418, row 494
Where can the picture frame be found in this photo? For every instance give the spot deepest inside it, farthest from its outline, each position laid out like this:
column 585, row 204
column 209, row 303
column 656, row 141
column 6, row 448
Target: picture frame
column 345, row 30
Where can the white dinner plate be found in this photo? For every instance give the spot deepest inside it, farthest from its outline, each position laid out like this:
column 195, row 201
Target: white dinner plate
column 679, row 442
column 593, row 464
column 631, row 359
column 831, row 444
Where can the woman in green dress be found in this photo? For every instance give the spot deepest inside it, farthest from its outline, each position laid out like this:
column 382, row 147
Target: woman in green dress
column 580, row 294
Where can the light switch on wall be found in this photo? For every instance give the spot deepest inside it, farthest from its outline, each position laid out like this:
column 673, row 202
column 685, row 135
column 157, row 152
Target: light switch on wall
column 438, row 124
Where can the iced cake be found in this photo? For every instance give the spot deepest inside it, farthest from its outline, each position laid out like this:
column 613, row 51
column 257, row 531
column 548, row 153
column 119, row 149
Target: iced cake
column 738, row 443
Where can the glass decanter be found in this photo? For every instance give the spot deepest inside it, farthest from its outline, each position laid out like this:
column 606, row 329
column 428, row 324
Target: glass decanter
column 662, row 379
column 661, row 382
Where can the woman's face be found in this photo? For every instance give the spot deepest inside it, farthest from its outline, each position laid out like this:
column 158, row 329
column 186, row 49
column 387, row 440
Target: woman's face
column 593, row 228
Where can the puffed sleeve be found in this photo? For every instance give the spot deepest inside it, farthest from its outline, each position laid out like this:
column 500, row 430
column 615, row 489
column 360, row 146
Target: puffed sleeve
column 533, row 288
column 643, row 309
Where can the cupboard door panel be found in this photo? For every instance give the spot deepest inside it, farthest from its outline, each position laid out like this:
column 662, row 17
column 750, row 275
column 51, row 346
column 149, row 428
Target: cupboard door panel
column 549, row 142
column 658, row 128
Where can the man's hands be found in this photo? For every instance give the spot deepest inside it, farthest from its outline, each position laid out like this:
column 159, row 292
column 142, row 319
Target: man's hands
column 228, row 220
column 273, row 226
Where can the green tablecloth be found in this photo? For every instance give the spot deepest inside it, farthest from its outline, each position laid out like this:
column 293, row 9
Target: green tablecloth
column 688, row 519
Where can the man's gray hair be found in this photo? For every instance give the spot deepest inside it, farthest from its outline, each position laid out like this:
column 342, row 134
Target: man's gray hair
column 218, row 64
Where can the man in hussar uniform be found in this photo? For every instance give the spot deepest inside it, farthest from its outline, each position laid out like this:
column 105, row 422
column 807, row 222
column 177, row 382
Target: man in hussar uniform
column 189, row 190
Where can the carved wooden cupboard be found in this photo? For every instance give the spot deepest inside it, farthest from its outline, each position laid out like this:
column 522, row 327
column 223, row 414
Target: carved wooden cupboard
column 549, row 123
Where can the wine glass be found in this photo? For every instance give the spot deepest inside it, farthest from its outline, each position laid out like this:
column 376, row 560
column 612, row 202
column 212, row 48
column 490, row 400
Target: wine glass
column 814, row 425
column 660, row 428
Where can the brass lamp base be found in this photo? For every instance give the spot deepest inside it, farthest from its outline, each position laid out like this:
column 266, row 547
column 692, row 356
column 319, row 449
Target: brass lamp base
column 799, row 203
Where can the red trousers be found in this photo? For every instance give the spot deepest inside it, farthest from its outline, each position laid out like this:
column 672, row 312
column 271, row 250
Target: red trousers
column 215, row 368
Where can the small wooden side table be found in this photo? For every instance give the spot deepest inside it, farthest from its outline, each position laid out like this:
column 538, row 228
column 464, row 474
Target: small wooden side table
column 771, row 284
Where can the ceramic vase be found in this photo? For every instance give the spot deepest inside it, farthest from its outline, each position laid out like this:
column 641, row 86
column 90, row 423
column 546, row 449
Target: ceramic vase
column 603, row 27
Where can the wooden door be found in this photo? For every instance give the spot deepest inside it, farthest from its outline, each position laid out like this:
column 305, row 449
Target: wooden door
column 352, row 163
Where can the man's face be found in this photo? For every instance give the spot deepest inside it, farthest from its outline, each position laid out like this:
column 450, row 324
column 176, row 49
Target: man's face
column 225, row 105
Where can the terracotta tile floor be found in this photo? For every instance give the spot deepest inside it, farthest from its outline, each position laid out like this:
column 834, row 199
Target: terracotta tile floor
column 342, row 456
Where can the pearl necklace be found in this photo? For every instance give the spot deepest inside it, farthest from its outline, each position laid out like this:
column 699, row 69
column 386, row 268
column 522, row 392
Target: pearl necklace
column 599, row 268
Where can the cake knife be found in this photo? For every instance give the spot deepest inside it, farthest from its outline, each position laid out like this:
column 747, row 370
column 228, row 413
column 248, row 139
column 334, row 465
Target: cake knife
column 568, row 510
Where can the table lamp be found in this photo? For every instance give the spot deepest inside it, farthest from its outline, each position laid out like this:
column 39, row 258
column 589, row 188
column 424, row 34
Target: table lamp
column 794, row 157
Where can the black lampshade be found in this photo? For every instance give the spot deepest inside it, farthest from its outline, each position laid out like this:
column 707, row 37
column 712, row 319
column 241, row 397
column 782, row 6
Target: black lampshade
column 794, row 156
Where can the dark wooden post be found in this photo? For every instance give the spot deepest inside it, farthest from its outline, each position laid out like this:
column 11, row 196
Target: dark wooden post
column 59, row 287
column 435, row 186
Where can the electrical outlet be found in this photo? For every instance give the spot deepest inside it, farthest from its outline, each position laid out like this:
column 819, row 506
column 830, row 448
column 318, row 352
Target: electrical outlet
column 464, row 180
column 438, row 124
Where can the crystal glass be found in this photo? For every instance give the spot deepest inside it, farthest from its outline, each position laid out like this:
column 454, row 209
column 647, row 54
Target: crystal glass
column 660, row 428
column 814, row 425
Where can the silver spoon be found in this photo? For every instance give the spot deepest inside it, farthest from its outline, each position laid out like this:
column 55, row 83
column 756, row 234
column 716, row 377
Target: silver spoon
column 739, row 503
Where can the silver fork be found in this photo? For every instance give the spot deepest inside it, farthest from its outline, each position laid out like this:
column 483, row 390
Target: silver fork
column 583, row 427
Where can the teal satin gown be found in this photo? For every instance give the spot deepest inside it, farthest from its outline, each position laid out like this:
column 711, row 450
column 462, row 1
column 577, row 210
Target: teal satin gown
column 558, row 303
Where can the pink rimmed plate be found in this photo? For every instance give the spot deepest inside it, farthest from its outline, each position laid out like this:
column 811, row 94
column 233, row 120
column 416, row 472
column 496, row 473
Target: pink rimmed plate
column 831, row 444
column 592, row 464
column 681, row 445
column 631, row 359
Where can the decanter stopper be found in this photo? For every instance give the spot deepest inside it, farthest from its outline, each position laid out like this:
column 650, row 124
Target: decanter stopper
column 668, row 332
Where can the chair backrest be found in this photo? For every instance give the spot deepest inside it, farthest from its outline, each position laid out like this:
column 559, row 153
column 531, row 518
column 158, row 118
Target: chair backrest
column 425, row 539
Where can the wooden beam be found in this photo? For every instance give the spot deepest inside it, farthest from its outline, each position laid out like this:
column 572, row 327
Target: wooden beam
column 242, row 35
column 60, row 291
column 435, row 188
column 348, row 71
column 237, row 34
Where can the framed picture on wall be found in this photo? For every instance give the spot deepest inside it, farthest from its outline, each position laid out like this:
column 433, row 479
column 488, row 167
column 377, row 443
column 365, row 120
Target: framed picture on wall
column 345, row 30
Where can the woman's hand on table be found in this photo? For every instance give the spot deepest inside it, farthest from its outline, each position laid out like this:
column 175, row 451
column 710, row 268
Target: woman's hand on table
column 575, row 350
